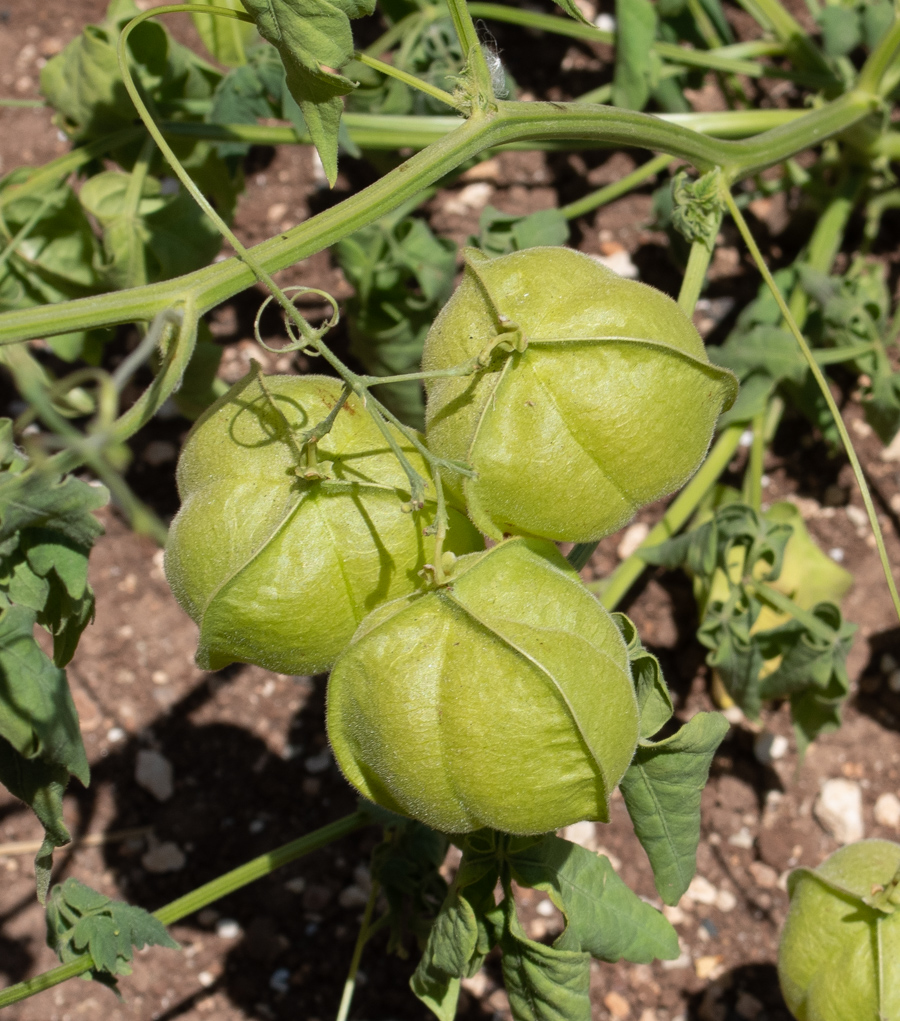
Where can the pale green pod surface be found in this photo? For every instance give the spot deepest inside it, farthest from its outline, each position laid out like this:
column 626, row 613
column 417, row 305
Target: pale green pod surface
column 503, row 698
column 611, row 404
column 279, row 569
column 839, row 958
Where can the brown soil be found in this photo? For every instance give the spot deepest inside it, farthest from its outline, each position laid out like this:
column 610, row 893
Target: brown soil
column 246, row 745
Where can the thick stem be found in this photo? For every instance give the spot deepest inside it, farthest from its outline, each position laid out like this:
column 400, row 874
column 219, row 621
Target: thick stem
column 477, row 70
column 694, row 276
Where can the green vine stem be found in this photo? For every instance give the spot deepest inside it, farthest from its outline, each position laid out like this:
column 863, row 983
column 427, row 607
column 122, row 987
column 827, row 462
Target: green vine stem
column 480, row 83
column 512, row 122
column 365, row 931
column 209, row 893
column 819, row 377
column 753, row 475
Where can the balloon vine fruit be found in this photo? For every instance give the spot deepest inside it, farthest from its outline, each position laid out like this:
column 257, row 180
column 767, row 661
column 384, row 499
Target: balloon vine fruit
column 279, row 551
column 503, row 698
column 839, row 958
column 605, row 401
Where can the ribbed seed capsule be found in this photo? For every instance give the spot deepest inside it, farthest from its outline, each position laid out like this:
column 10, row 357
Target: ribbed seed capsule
column 277, row 553
column 606, row 402
column 502, row 699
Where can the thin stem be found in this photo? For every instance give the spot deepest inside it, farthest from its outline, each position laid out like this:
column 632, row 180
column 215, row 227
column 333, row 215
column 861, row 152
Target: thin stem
column 718, row 59
column 408, row 79
column 476, row 64
column 365, row 931
column 772, row 15
column 880, row 59
column 694, row 276
column 613, row 589
column 201, row 897
column 754, row 472
column 784, row 604
column 617, row 189
column 825, row 389
column 26, row 228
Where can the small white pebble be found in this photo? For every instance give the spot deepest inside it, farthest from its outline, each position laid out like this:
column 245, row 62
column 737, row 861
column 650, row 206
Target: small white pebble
column 153, row 772
column 743, row 839
column 228, row 928
column 838, row 810
column 888, row 664
column 115, row 734
column 674, row 914
column 857, row 516
column 726, row 901
column 206, row 979
column 257, row 826
column 836, row 554
column 295, row 885
column 353, row 897
column 769, row 747
column 633, row 537
column 765, row 481
column 887, row 811
column 605, row 22
column 702, row 891
column 545, row 908
column 746, row 439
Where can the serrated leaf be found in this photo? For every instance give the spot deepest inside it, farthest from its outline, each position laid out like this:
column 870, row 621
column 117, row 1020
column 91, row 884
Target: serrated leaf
column 80, row 919
column 604, row 917
column 314, row 40
column 225, row 38
column 662, row 790
column 543, row 983
column 635, row 33
column 37, row 501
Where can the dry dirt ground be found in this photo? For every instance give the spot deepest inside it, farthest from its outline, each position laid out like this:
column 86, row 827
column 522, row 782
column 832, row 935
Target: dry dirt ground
column 247, row 748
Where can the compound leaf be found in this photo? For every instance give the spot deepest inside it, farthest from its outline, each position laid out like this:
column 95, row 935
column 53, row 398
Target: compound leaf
column 80, row 919
column 662, row 789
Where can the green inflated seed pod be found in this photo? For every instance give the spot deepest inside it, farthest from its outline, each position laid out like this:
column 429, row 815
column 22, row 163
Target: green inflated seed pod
column 839, row 958
column 277, row 556
column 605, row 399
column 503, row 698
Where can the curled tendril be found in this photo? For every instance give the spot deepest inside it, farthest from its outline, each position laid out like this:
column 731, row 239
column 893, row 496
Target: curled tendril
column 305, row 344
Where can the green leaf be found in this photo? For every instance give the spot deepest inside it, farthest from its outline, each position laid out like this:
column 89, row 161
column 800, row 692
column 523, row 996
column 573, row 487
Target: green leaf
column 604, row 917
column 634, row 73
column 41, row 786
column 36, row 500
column 573, row 10
column 80, row 919
column 501, row 233
column 314, row 40
column 225, row 38
column 654, row 700
column 841, row 30
column 543, row 983
column 662, row 790
column 402, row 275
